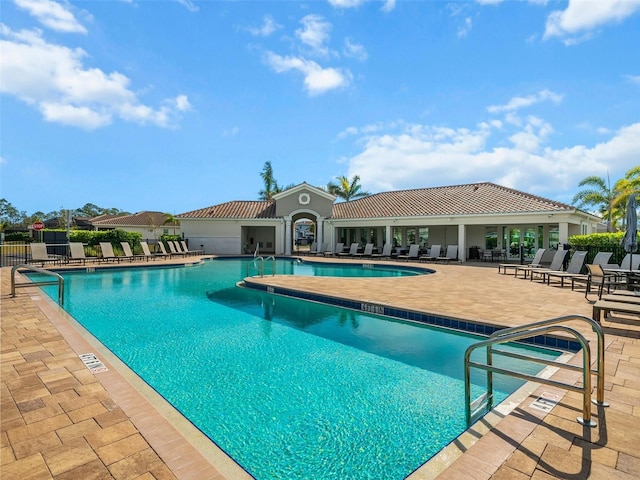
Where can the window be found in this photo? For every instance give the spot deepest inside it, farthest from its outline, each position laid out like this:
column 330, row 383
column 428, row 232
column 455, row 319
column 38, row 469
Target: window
column 423, row 236
column 490, row 238
column 554, row 236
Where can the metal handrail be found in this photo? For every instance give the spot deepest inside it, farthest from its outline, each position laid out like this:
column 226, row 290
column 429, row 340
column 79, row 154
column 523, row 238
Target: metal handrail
column 595, row 326
column 525, row 331
column 59, row 280
column 258, row 262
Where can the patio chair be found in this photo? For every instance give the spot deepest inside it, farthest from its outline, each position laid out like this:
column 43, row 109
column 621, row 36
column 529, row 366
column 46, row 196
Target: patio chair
column 185, row 248
column 352, row 251
column 432, row 256
column 367, row 252
column 452, row 254
column 322, row 247
column 535, row 263
column 313, row 249
column 573, row 269
column 338, row 249
column 76, row 253
column 412, row 254
column 556, row 264
column 147, row 252
column 175, row 250
column 163, row 250
column 608, row 306
column 598, row 277
column 107, row 253
column 39, row 255
column 128, row 253
column 386, row 252
column 601, row 259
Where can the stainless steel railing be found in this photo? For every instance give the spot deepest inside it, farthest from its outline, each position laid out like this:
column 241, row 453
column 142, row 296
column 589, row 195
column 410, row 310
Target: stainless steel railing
column 531, row 330
column 59, row 280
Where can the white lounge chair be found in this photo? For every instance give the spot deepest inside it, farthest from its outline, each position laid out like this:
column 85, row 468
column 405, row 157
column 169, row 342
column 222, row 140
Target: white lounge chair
column 76, row 253
column 185, row 249
column 386, row 252
column 574, row 268
column 367, row 252
column 432, row 256
column 535, row 263
column 452, row 254
column 412, row 254
column 352, row 251
column 556, row 265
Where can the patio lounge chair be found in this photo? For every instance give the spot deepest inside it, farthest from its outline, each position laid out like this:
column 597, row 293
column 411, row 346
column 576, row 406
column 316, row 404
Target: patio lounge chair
column 386, row 252
column 367, row 252
column 322, row 247
column 39, row 255
column 573, row 269
column 599, row 278
column 147, row 252
column 535, row 263
column 412, row 254
column 185, row 248
column 556, row 264
column 175, row 250
column 601, row 259
column 107, row 252
column 128, row 253
column 432, row 256
column 607, row 306
column 338, row 249
column 163, row 250
column 452, row 254
column 76, row 253
column 352, row 251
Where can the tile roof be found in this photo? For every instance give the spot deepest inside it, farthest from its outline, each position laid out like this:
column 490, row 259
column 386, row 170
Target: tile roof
column 472, row 199
column 235, row 209
column 142, row 219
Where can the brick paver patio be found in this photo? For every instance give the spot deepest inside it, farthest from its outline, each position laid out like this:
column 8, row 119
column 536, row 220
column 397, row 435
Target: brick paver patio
column 59, row 420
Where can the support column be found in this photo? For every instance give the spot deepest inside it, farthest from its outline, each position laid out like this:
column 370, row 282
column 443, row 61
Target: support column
column 462, row 243
column 287, row 235
column 388, row 229
column 319, row 231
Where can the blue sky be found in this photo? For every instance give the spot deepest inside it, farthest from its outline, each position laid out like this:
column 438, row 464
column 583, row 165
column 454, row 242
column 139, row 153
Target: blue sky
column 177, row 105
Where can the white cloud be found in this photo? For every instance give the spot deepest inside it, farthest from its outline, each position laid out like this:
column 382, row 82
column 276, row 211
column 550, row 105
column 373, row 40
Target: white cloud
column 268, row 27
column 388, row 6
column 231, row 133
column 464, row 30
column 345, row 3
column 314, row 34
column 52, row 15
column 354, row 50
column 516, row 103
column 581, row 17
column 633, row 79
column 317, row 80
column 54, row 80
column 420, row 155
column 192, row 7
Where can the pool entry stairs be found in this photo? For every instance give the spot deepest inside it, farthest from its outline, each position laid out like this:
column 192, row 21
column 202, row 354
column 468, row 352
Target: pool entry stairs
column 476, row 408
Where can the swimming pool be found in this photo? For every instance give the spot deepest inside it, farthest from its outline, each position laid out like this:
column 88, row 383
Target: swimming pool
column 289, row 389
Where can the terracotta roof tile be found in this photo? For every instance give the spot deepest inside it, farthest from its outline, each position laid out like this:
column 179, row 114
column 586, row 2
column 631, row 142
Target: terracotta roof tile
column 235, row 209
column 137, row 219
column 476, row 198
column 471, row 199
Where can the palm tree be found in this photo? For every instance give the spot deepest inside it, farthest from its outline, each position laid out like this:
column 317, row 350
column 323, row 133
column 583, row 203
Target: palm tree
column 599, row 195
column 170, row 218
column 347, row 190
column 271, row 186
column 626, row 186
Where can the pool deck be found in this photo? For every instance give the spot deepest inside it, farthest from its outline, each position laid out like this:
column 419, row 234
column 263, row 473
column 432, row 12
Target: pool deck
column 59, row 420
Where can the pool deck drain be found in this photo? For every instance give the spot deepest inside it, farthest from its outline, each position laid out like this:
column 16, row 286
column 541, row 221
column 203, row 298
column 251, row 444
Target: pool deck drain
column 61, row 421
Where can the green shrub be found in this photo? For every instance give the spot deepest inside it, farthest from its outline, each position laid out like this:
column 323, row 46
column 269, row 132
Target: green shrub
column 17, row 237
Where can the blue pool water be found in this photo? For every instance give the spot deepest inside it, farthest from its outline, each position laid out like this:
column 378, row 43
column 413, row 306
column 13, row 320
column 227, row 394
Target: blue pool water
column 289, row 389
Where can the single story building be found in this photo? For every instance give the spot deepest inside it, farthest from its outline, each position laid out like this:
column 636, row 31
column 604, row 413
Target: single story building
column 151, row 225
column 475, row 217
